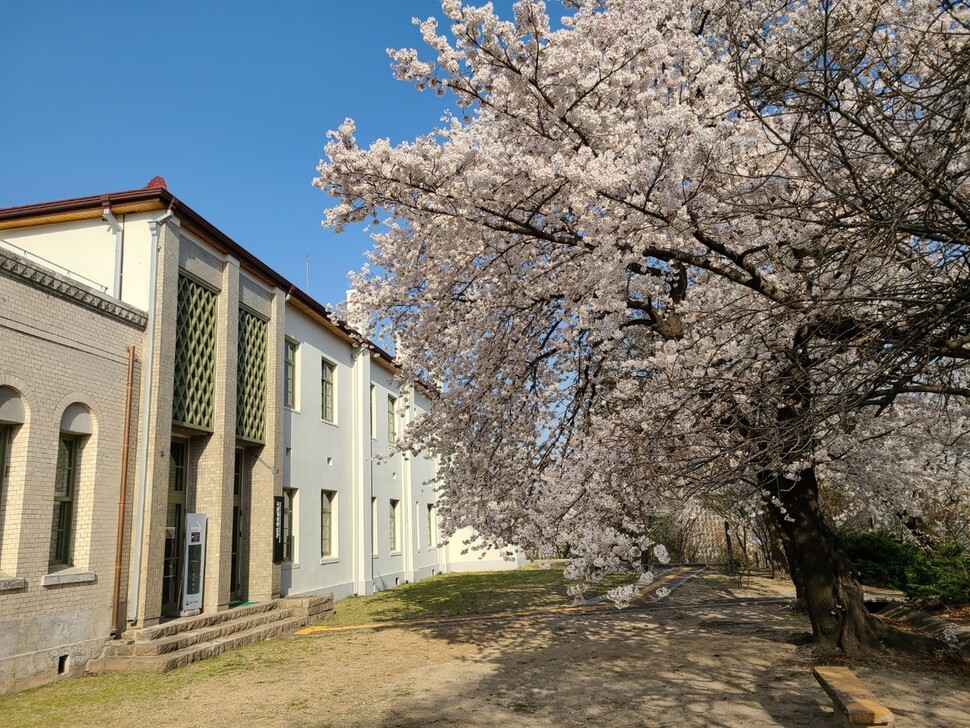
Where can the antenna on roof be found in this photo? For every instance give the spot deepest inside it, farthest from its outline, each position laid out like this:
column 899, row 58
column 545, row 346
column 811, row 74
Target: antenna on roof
column 308, row 271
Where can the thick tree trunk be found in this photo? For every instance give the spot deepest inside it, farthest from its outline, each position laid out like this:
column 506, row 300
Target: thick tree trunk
column 819, row 567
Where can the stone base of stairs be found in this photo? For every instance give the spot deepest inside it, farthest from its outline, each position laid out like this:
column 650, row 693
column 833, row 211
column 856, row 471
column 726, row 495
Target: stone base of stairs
column 176, row 643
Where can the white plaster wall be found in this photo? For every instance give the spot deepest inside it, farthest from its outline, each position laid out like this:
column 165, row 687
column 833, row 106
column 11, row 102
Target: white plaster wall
column 388, row 480
column 320, row 458
column 83, row 250
column 427, row 557
column 136, row 259
column 474, row 558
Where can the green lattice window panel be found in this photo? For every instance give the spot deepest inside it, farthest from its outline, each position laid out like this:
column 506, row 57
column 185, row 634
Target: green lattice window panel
column 251, row 378
column 195, row 356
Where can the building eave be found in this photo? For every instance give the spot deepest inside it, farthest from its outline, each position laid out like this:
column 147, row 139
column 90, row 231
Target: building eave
column 159, row 198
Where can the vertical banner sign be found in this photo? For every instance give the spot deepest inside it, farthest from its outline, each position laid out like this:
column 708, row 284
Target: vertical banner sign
column 194, row 562
column 278, row 529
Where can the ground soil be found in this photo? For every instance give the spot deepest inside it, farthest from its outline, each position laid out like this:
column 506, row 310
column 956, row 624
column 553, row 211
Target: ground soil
column 686, row 665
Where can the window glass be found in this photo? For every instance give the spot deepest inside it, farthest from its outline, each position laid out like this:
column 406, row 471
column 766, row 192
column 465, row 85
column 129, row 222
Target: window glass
column 326, row 390
column 65, row 481
column 391, row 422
column 289, row 374
column 288, row 497
column 326, row 522
column 393, row 525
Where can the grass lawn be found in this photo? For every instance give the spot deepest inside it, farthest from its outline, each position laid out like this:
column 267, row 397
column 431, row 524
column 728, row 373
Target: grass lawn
column 108, row 699
column 454, row 595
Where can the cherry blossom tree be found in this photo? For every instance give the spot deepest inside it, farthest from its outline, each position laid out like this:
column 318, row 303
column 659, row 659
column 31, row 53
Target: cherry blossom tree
column 669, row 250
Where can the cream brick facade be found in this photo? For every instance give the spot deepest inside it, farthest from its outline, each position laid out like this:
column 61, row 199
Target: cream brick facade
column 58, row 349
column 64, row 342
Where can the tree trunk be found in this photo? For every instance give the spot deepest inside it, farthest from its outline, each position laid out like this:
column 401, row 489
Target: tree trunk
column 820, row 569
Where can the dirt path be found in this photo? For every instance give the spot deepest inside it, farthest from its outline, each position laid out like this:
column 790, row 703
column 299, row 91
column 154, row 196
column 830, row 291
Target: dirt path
column 686, row 665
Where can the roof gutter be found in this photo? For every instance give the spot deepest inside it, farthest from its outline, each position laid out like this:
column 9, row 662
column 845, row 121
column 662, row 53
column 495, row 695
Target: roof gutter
column 119, row 232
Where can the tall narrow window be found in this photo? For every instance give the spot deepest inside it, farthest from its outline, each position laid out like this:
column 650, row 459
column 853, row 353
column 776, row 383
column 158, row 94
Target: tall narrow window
column 391, row 421
column 4, row 439
column 374, row 540
column 288, row 495
column 393, row 524
column 326, row 390
column 430, row 525
column 289, row 374
column 326, row 522
column 65, row 483
column 373, row 411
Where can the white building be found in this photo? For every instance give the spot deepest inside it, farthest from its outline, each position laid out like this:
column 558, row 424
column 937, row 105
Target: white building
column 249, row 405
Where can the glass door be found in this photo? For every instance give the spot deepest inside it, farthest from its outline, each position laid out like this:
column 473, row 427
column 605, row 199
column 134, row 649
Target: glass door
column 174, row 530
column 235, row 574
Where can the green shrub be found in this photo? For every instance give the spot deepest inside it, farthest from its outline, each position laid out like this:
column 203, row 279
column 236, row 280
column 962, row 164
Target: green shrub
column 880, row 559
column 940, row 574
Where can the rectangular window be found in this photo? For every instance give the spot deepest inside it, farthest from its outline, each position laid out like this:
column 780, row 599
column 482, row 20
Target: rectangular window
column 373, row 411
column 374, row 540
column 391, row 421
column 65, row 482
column 327, row 371
column 289, row 496
column 327, row 498
column 393, row 524
column 430, row 525
column 289, row 374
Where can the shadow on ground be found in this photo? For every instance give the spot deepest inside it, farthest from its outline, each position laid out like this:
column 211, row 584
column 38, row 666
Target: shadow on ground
column 735, row 666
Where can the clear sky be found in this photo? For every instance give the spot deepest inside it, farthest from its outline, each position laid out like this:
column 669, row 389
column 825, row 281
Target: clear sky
column 228, row 100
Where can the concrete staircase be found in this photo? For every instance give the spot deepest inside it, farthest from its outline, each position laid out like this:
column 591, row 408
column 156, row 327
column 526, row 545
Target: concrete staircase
column 178, row 642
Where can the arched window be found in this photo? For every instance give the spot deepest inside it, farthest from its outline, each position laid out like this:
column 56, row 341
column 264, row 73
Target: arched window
column 76, row 424
column 11, row 417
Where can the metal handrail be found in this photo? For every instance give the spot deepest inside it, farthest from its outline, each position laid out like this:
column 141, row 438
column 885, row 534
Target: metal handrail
column 71, row 274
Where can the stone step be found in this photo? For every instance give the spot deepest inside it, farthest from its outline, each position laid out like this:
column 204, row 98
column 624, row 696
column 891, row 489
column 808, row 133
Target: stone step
column 187, row 624
column 313, row 608
column 171, row 660
column 181, row 640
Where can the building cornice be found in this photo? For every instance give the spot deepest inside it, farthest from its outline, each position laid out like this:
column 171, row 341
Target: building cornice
column 32, row 274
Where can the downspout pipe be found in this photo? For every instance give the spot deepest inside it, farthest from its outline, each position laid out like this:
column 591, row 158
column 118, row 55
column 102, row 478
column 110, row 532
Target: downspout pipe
column 145, row 412
column 116, row 628
column 119, row 232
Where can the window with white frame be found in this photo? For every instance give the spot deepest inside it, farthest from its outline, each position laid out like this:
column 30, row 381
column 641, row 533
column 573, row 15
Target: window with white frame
column 327, row 502
column 395, row 507
column 289, row 373
column 289, row 508
column 374, row 540
column 373, row 412
column 327, row 374
column 431, row 524
column 391, row 419
column 65, row 486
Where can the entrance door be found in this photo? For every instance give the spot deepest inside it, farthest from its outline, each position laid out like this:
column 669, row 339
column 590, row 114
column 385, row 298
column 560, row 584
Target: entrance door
column 235, row 572
column 174, row 530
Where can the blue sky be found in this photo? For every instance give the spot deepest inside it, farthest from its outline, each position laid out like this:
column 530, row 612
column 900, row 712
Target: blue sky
column 228, row 100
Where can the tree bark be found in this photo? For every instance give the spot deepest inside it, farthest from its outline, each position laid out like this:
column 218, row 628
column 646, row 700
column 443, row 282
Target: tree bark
column 819, row 567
